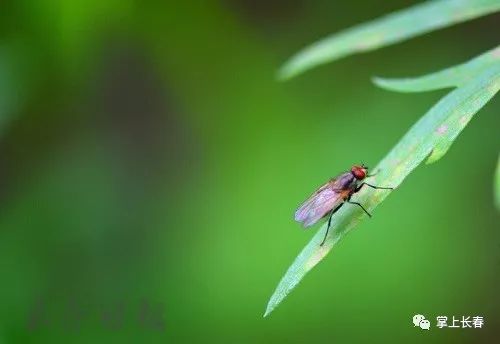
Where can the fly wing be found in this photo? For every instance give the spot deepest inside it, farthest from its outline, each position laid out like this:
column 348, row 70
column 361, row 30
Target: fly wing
column 319, row 204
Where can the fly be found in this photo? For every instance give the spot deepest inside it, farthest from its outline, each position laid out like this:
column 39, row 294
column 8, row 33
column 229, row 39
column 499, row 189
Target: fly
column 328, row 199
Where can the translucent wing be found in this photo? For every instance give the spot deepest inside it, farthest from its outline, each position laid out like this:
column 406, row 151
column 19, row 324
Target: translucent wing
column 319, row 204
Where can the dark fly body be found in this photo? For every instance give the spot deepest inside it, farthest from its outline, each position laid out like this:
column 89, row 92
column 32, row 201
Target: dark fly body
column 330, row 197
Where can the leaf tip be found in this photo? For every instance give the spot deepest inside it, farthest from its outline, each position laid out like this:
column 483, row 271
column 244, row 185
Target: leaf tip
column 388, row 84
column 284, row 73
column 377, row 80
column 268, row 311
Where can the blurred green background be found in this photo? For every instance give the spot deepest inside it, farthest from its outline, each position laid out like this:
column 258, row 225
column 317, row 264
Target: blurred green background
column 150, row 166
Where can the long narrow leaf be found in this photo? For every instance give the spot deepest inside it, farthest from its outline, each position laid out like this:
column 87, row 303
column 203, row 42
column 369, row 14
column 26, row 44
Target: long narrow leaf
column 387, row 30
column 449, row 77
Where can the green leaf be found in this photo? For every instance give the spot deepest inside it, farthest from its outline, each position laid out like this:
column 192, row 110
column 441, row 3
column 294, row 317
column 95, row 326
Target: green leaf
column 451, row 77
column 496, row 190
column 387, row 30
column 429, row 138
column 485, row 86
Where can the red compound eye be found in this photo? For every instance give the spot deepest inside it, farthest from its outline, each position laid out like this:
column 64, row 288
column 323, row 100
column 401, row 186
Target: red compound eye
column 359, row 172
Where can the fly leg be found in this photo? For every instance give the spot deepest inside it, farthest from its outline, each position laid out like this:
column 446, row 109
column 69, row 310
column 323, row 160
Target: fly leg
column 379, row 187
column 366, row 211
column 356, row 203
column 372, row 186
column 359, row 188
column 330, row 222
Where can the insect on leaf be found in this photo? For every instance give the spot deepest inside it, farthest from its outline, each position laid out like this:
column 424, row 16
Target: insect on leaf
column 428, row 139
